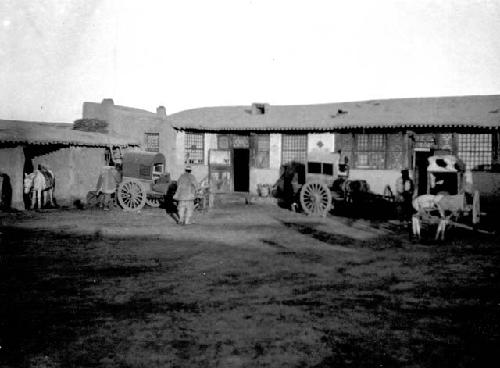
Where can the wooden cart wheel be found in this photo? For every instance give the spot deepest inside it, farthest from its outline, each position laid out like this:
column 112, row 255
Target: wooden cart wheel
column 153, row 202
column 476, row 208
column 131, row 195
column 316, row 199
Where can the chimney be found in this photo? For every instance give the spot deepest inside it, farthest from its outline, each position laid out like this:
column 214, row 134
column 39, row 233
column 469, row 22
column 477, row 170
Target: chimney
column 107, row 101
column 259, row 108
column 160, row 110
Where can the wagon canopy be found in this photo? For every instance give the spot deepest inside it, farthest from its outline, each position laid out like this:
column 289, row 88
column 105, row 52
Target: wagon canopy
column 140, row 164
column 445, row 163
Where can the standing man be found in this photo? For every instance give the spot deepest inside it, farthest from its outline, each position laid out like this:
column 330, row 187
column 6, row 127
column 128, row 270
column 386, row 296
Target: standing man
column 343, row 166
column 106, row 184
column 404, row 193
column 185, row 195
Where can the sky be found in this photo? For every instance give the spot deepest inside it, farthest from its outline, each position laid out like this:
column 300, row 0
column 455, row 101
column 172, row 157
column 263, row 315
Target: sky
column 56, row 54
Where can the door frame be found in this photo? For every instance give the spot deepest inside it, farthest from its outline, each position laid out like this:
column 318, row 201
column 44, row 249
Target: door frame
column 416, row 176
column 234, row 168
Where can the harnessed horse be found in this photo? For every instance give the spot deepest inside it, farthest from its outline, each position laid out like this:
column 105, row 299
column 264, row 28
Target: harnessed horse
column 40, row 184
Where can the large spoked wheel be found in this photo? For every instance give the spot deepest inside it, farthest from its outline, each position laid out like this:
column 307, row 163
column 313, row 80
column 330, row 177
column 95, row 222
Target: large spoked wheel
column 131, row 195
column 316, row 199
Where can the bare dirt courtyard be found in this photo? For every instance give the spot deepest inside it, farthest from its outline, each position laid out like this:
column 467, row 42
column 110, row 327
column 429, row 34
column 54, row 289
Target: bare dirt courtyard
column 245, row 286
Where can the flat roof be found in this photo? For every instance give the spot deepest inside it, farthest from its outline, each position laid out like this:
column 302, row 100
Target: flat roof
column 456, row 111
column 40, row 133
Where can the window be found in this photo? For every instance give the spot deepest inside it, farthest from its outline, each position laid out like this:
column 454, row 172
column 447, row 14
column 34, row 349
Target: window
column 327, row 169
column 319, row 168
column 262, row 149
column 370, row 151
column 158, row 170
column 108, row 157
column 314, row 167
column 294, row 148
column 194, row 148
column 475, row 150
column 152, row 142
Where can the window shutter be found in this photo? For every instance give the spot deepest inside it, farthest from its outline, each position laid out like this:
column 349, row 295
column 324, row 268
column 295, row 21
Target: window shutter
column 253, row 149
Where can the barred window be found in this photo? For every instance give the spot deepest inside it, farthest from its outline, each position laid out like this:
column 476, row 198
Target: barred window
column 152, row 142
column 262, row 151
column 294, row 148
column 194, row 148
column 370, row 151
column 475, row 150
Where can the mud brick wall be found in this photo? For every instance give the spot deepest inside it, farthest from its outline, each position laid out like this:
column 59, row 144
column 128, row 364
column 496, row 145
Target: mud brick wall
column 134, row 124
column 76, row 170
column 11, row 166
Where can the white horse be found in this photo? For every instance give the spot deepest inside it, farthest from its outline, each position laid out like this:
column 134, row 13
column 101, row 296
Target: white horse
column 38, row 184
column 447, row 206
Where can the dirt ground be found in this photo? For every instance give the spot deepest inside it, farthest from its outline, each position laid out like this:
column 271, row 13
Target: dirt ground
column 245, row 286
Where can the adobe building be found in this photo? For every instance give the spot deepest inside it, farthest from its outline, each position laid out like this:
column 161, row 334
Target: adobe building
column 242, row 146
column 151, row 130
column 75, row 157
column 239, row 147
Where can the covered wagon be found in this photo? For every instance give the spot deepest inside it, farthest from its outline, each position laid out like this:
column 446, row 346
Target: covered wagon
column 144, row 180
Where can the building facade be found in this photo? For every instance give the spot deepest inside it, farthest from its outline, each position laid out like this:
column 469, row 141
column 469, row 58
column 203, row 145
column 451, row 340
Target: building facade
column 240, row 161
column 76, row 158
column 151, row 130
column 239, row 147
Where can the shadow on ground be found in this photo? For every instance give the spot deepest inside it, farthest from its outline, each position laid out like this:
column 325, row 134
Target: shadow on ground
column 72, row 300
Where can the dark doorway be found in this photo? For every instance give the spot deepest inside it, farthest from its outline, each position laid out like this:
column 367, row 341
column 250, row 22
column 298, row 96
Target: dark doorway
column 241, row 169
column 421, row 164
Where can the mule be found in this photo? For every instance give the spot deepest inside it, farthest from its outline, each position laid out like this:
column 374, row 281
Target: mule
column 447, row 207
column 41, row 186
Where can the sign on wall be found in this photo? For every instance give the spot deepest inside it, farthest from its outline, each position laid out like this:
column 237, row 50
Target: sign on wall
column 240, row 141
column 220, row 157
column 425, row 141
column 320, row 141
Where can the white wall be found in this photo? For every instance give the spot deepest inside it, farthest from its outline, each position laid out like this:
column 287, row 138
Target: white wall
column 275, row 151
column 178, row 168
column 377, row 179
column 210, row 143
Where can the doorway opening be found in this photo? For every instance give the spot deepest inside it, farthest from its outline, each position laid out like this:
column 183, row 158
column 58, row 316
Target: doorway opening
column 421, row 163
column 241, row 169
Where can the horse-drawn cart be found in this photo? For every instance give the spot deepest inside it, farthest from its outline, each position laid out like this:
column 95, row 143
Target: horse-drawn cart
column 316, row 190
column 322, row 184
column 450, row 198
column 140, row 185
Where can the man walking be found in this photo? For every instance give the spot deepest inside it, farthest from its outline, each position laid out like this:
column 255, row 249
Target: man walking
column 185, row 195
